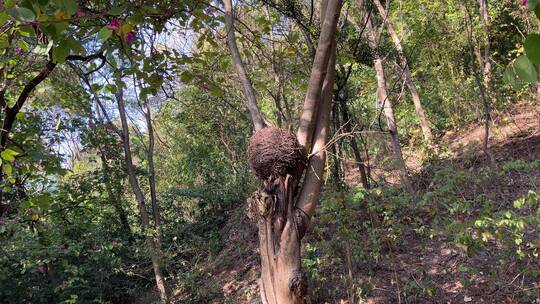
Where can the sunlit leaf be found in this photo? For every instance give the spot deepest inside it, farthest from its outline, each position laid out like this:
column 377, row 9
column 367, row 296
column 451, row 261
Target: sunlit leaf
column 9, row 155
column 510, row 77
column 42, row 49
column 104, row 34
column 525, row 69
column 7, row 169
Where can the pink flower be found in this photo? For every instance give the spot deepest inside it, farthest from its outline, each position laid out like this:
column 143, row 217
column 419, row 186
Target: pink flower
column 18, row 50
column 129, row 37
column 525, row 2
column 41, row 269
column 80, row 13
column 114, row 242
column 114, row 24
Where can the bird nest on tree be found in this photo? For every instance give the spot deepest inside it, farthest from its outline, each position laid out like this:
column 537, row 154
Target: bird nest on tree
column 275, row 152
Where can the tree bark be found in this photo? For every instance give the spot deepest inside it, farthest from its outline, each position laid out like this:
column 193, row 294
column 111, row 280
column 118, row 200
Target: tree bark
column 251, row 100
column 152, row 171
column 409, row 81
column 151, row 241
column 486, row 60
column 481, row 88
column 282, row 218
column 383, row 97
column 318, row 75
column 354, row 145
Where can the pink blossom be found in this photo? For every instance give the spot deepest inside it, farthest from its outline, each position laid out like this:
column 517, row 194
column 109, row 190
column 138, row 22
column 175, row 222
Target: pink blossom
column 129, row 37
column 525, row 2
column 41, row 269
column 114, row 24
column 81, row 13
column 114, row 242
column 18, row 50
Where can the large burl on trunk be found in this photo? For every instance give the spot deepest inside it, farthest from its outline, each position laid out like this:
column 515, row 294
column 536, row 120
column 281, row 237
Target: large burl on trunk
column 281, row 208
column 278, row 160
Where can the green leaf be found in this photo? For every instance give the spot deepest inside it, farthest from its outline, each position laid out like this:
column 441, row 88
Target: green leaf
column 186, row 77
column 60, row 27
column 21, row 14
column 60, row 52
column 115, row 11
column 42, row 49
column 70, row 6
column 215, row 90
column 510, row 77
column 7, row 169
column 519, row 203
column 532, row 48
column 9, row 155
column 104, row 34
column 533, row 4
column 3, row 17
column 525, row 69
column 75, row 46
column 110, row 88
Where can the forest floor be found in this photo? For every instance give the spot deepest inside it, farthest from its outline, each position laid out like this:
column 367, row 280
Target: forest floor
column 426, row 267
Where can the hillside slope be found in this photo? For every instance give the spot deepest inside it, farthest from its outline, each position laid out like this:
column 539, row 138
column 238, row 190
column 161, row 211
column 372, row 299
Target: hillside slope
column 439, row 256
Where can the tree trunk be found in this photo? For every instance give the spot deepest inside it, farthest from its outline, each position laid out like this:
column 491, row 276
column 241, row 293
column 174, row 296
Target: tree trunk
column 282, row 281
column 317, row 78
column 481, row 89
column 354, row 146
column 383, row 97
column 409, row 81
column 281, row 220
column 251, row 100
column 153, row 248
column 335, row 147
column 152, row 172
column 486, row 60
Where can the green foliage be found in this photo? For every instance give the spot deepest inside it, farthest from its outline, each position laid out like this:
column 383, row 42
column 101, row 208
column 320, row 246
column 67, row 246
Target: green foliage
column 71, row 230
column 526, row 66
column 506, row 228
